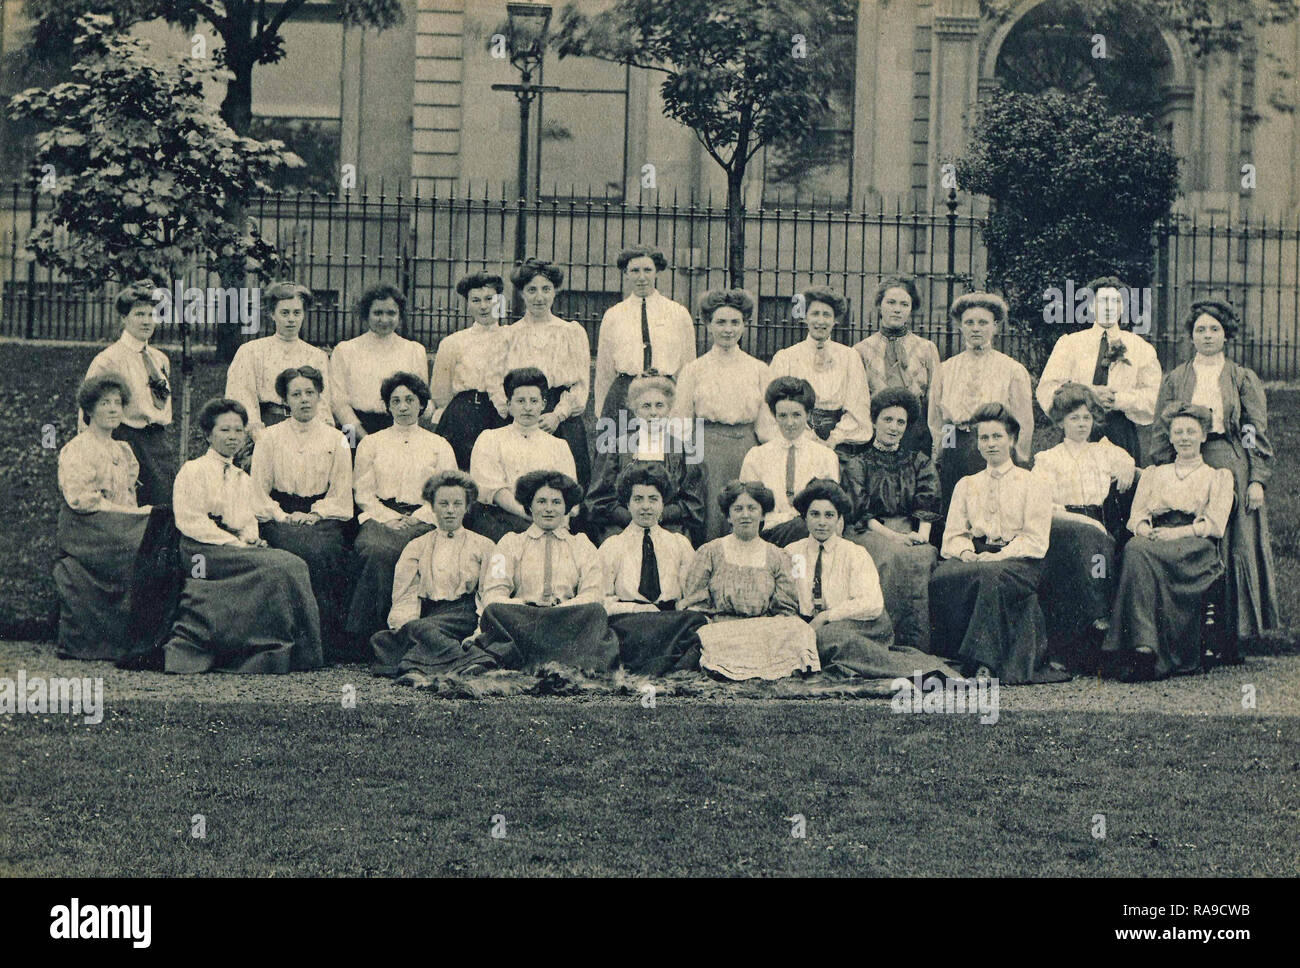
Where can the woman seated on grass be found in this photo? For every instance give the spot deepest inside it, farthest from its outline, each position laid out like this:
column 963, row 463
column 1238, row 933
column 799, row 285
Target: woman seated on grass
column 745, row 585
column 435, row 588
column 839, row 593
column 645, row 569
column 102, row 534
column 245, row 607
column 542, row 590
column 791, row 459
column 392, row 466
column 896, row 497
column 1079, row 584
column 650, row 443
column 984, row 594
column 502, row 456
column 302, row 471
column 1180, row 513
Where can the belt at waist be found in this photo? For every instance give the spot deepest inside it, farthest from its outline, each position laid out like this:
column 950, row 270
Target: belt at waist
column 149, row 428
column 401, row 507
column 1216, row 436
column 428, row 605
column 985, row 544
column 1091, row 510
column 476, row 397
column 294, row 503
column 1172, row 519
column 216, row 519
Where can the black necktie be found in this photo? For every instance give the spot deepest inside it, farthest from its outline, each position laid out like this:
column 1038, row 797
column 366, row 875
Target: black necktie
column 649, row 587
column 645, row 339
column 817, row 575
column 1101, row 372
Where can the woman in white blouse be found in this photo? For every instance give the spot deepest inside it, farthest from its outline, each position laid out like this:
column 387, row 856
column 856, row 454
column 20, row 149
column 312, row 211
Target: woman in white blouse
column 100, row 528
column 466, row 381
column 1080, row 561
column 302, row 470
column 388, row 480
column 979, row 374
column 560, row 349
column 720, row 395
column 1180, row 513
column 245, row 606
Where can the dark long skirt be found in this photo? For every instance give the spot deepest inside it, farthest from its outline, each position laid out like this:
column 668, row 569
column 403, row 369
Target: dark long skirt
column 616, row 398
column 905, row 582
column 153, row 451
column 1162, row 585
column 251, row 611
column 526, row 637
column 574, row 432
column 469, row 413
column 270, row 414
column 958, row 461
column 495, row 522
column 372, row 422
column 986, row 613
column 868, row 648
column 323, row 548
column 1079, row 580
column 374, row 559
column 724, row 447
column 657, row 643
column 824, row 421
column 1253, row 605
column 786, row 533
column 94, row 576
column 430, row 644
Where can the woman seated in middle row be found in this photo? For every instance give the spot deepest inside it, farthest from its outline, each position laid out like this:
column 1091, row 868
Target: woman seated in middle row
column 392, row 465
column 302, row 472
column 984, row 595
column 746, row 587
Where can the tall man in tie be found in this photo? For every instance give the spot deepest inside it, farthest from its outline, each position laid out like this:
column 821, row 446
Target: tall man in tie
column 645, row 333
column 1120, row 367
column 147, row 416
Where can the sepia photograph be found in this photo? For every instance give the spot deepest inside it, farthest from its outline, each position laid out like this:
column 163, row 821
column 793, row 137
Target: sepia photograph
column 651, row 439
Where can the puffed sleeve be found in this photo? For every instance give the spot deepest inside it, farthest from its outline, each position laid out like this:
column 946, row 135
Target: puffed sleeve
column 855, row 424
column 406, row 584
column 695, row 594
column 325, row 411
column 1031, row 541
column 1119, row 463
column 77, row 482
column 241, row 383
column 956, row 530
column 190, row 507
column 684, row 400
column 1219, row 505
column 591, row 573
column 573, row 401
column 364, row 483
column 1254, row 426
column 934, row 412
column 927, row 503
column 1142, row 499
column 1021, row 405
column 604, row 360
column 497, row 581
column 485, row 466
column 340, row 377
column 1055, row 373
column 262, row 473
column 1140, row 402
column 785, row 596
column 444, row 365
column 868, row 599
column 337, row 502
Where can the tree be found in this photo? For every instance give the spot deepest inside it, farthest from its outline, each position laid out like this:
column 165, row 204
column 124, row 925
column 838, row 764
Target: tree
column 1076, row 189
column 741, row 74
column 250, row 32
column 140, row 169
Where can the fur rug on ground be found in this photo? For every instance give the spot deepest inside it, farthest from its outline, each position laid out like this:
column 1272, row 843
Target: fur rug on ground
column 554, row 679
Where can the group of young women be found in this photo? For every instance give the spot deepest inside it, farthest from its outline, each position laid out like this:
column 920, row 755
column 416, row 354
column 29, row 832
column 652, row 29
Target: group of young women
column 859, row 511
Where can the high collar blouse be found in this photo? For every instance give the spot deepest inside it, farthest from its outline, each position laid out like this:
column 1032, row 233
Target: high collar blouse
column 558, row 348
column 395, row 463
column 437, row 567
column 1007, row 505
column 918, row 358
column 251, row 376
column 125, row 357
column 359, row 366
column 472, row 359
column 839, row 380
column 966, row 382
column 724, row 388
column 516, row 569
column 1205, row 492
column 305, row 459
column 211, row 486
column 98, row 474
column 1081, row 473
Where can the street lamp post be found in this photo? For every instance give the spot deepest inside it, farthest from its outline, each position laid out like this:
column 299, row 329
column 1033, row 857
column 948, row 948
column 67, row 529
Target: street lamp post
column 526, row 40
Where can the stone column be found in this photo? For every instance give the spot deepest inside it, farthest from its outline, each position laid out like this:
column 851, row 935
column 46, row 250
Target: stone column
column 954, row 84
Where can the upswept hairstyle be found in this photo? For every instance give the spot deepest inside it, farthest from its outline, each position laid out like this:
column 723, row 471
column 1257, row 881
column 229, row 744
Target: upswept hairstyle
column 1180, row 408
column 278, row 292
column 759, row 492
column 1220, row 310
column 96, row 388
column 644, row 384
column 1069, row 398
column 641, row 472
column 382, row 291
column 214, row 408
column 141, row 291
column 450, row 478
column 639, row 252
column 526, row 271
column 790, row 388
column 412, row 381
column 715, row 299
column 822, row 294
column 525, row 376
column 898, row 281
column 896, row 397
column 529, row 484
column 979, row 300
column 307, row 372
column 1110, row 282
column 997, row 413
column 823, row 489
column 479, row 280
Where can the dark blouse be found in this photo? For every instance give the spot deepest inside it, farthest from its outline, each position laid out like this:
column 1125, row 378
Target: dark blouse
column 684, row 507
column 886, row 484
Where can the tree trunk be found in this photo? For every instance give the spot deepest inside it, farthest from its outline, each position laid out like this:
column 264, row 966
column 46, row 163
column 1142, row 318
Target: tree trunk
column 236, row 111
column 736, row 227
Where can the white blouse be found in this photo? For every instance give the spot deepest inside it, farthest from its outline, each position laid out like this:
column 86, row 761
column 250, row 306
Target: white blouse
column 1082, row 473
column 840, row 381
column 1205, row 492
column 211, row 484
column 558, row 348
column 304, row 459
column 621, row 555
column 251, row 376
column 516, row 569
column 1008, row 505
column 395, row 463
column 501, row 456
column 966, row 382
column 125, row 357
column 359, row 366
column 619, row 348
column 1208, row 393
column 470, row 359
column 98, row 474
column 766, row 465
column 850, row 582
column 438, row 567
column 722, row 388
column 1135, row 376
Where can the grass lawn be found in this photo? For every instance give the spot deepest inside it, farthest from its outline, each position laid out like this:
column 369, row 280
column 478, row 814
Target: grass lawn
column 610, row 788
